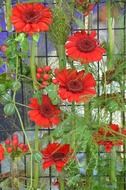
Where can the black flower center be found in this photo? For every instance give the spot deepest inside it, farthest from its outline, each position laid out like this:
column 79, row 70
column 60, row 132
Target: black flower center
column 46, row 111
column 32, row 16
column 75, row 85
column 86, row 45
column 58, row 156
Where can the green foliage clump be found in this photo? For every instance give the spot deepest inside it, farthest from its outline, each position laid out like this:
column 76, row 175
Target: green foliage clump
column 60, row 27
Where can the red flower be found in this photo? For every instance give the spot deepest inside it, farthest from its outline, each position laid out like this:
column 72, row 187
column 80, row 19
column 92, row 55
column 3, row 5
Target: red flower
column 1, row 152
column 83, row 47
column 112, row 129
column 104, row 137
column 75, row 86
column 108, row 144
column 56, row 154
column 45, row 114
column 31, row 17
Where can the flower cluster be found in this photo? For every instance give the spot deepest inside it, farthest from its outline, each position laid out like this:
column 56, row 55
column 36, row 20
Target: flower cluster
column 109, row 136
column 14, row 146
column 44, row 75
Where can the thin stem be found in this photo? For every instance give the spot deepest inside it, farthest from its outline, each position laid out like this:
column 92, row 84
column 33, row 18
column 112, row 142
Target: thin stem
column 32, row 64
column 17, row 64
column 113, row 168
column 61, row 181
column 8, row 14
column 36, row 165
column 62, row 56
column 110, row 23
column 23, row 129
column 35, row 87
column 15, row 174
column 74, row 126
column 21, row 104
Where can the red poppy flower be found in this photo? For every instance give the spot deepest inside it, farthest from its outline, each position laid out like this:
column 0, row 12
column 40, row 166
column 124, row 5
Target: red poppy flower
column 56, row 154
column 83, row 47
column 75, row 86
column 1, row 152
column 104, row 137
column 31, row 17
column 45, row 114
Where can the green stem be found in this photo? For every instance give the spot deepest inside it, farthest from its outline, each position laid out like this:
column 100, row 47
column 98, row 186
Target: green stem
column 74, row 127
column 8, row 14
column 15, row 174
column 17, row 64
column 36, row 165
column 110, row 34
column 61, row 181
column 113, row 168
column 62, row 56
column 33, row 75
column 32, row 64
column 23, row 129
column 17, row 103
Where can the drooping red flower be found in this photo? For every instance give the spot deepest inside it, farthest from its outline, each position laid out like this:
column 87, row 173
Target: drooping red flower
column 108, row 137
column 31, row 17
column 75, row 86
column 83, row 47
column 56, row 154
column 1, row 152
column 108, row 144
column 44, row 114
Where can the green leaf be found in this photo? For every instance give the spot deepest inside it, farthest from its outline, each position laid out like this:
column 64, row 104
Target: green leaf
column 5, row 98
column 2, row 88
column 9, row 109
column 36, row 37
column 37, row 157
column 52, row 93
column 20, row 37
column 16, row 85
column 112, row 106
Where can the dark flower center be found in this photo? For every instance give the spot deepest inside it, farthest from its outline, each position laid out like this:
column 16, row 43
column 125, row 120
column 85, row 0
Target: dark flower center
column 75, row 85
column 32, row 16
column 86, row 45
column 46, row 111
column 58, row 156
